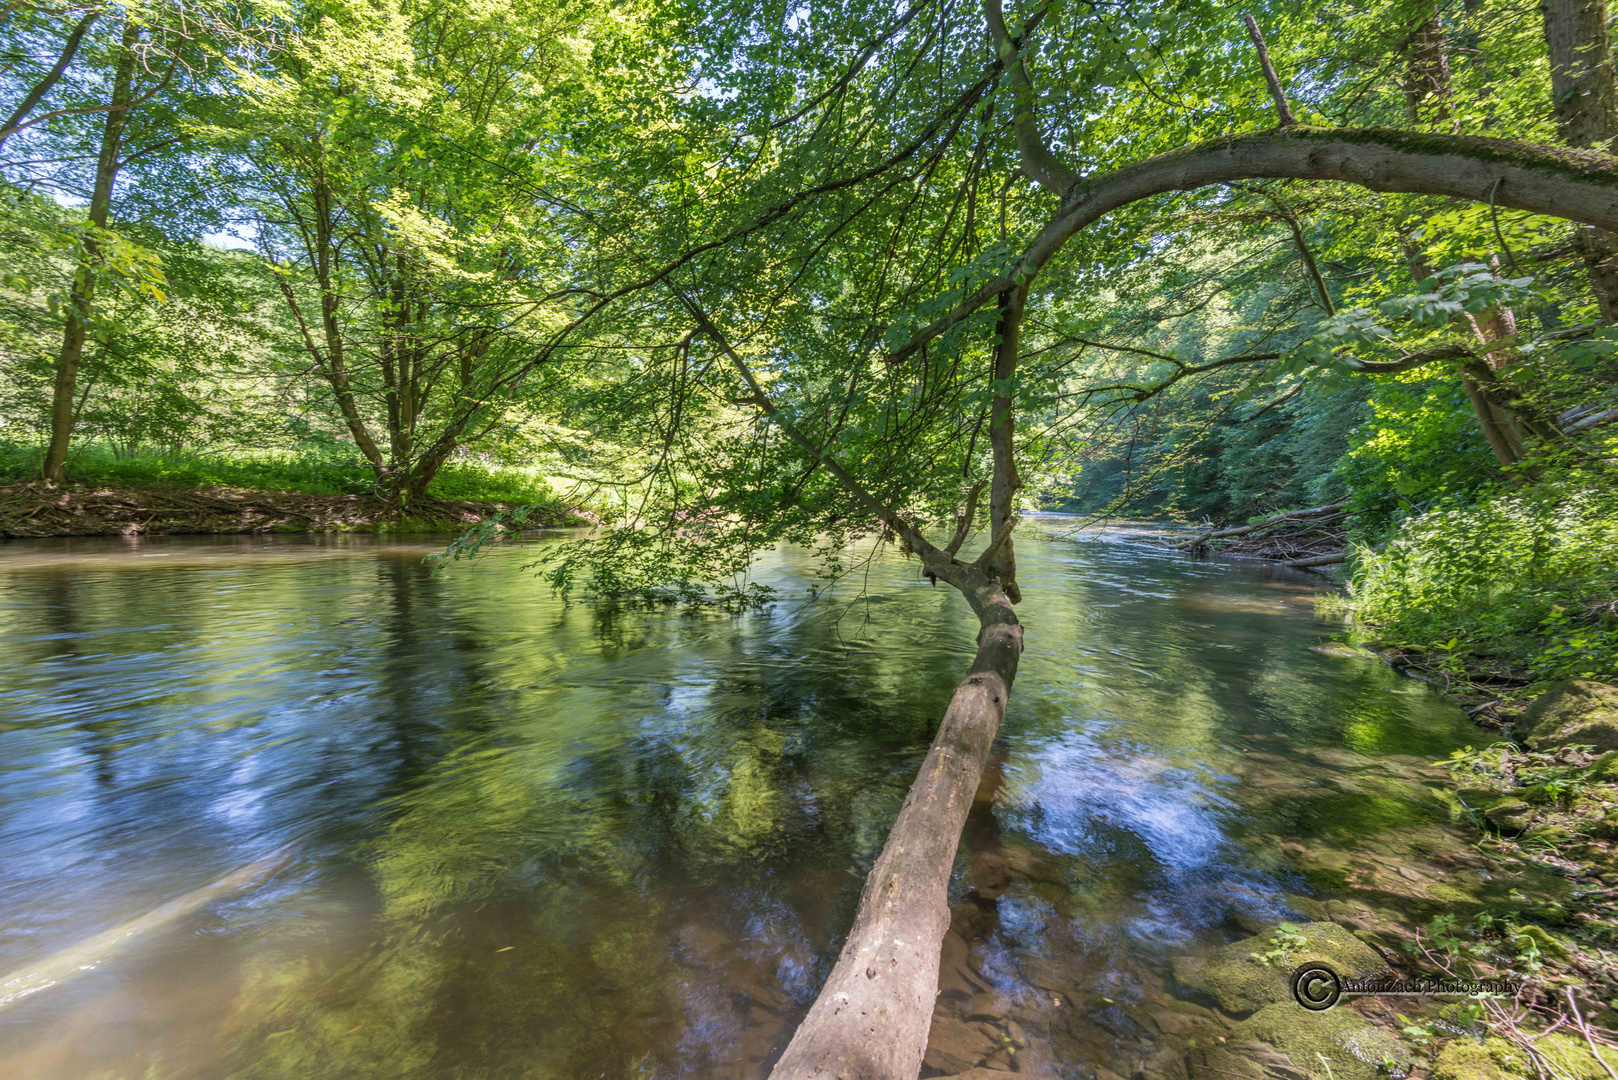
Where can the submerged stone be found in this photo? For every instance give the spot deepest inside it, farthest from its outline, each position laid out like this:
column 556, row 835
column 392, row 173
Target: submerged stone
column 954, row 1046
column 1344, row 652
column 1242, row 976
column 1574, row 712
column 1355, row 1048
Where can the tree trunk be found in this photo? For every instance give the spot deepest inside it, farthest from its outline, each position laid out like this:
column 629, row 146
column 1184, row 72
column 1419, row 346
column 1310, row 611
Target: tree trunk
column 873, row 1013
column 1426, row 82
column 81, row 298
column 872, row 1016
column 334, row 363
column 1493, row 433
column 1584, row 98
column 1002, row 433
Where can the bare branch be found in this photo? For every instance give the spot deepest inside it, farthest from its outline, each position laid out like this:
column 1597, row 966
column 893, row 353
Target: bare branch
column 1281, row 106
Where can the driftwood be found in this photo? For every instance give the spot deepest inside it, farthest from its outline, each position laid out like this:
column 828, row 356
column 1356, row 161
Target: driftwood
column 1306, row 539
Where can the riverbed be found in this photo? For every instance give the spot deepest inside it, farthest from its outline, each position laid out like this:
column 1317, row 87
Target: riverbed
column 491, row 831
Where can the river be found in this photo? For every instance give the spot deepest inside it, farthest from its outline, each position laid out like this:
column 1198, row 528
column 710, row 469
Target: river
column 492, row 832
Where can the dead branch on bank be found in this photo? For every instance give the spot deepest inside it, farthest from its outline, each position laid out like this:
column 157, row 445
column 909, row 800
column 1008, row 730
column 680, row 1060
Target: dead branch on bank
column 1306, row 539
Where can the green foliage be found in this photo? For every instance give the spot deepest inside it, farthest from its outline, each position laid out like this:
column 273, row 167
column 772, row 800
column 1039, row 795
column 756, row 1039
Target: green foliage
column 1284, row 943
column 312, row 471
column 1522, row 580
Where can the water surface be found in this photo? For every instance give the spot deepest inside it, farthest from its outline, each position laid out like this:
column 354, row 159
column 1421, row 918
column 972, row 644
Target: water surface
column 518, row 836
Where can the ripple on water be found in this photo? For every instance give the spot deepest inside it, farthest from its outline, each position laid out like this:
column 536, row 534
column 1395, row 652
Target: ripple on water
column 530, row 833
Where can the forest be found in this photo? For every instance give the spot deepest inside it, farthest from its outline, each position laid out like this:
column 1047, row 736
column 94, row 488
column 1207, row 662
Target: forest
column 766, row 305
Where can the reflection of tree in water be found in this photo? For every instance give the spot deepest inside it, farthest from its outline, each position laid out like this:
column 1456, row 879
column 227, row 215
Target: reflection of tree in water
column 648, row 843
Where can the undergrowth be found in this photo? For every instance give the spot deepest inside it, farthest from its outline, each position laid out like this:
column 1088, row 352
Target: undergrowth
column 1522, row 584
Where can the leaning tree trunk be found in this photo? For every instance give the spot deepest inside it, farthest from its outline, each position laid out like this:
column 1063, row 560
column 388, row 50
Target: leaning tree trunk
column 871, row 1018
column 872, row 1015
column 81, row 298
column 1584, row 96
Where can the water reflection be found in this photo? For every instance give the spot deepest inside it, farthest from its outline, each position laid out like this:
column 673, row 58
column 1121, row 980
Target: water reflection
column 535, row 837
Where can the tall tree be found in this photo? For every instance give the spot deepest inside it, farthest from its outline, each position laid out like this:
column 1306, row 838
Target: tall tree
column 81, row 299
column 1584, row 97
column 395, row 154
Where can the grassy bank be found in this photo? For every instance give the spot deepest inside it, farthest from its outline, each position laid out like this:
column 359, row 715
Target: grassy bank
column 259, row 491
column 312, row 472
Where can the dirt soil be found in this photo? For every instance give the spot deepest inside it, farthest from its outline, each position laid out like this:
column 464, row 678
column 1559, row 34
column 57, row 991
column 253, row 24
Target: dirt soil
column 34, row 510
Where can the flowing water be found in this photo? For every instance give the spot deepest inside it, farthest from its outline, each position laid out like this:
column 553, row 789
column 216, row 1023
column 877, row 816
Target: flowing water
column 299, row 808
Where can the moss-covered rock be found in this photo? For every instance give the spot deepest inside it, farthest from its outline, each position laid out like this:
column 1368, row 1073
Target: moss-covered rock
column 1541, row 939
column 1468, row 1059
column 1551, row 832
column 1496, row 1059
column 1569, row 1055
column 1604, row 769
column 1241, row 977
column 1604, row 827
column 1576, row 711
column 1310, row 909
column 1509, row 816
column 1354, row 1047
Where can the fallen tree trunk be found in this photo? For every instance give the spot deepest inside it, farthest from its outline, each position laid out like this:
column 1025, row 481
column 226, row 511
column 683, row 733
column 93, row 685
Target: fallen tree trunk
column 872, row 1015
column 1334, row 559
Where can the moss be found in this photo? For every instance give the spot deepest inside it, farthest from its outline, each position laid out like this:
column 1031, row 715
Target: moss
column 1238, row 978
column 1496, row 1059
column 1465, row 1059
column 1310, row 909
column 1573, row 1056
column 1541, row 939
column 1355, row 1049
column 1577, row 164
column 1452, row 894
column 1605, row 769
column 1574, row 712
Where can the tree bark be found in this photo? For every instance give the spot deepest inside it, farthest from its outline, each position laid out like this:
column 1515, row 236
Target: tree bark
column 1002, row 434
column 1483, row 409
column 1578, row 185
column 81, row 298
column 1584, row 99
column 872, row 1015
column 1426, row 82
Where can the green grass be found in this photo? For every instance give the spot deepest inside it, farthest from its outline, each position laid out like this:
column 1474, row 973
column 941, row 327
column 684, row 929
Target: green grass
column 312, row 472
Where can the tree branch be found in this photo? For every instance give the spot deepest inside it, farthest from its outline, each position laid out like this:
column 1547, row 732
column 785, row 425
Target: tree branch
column 1037, row 160
column 1574, row 184
column 1281, row 107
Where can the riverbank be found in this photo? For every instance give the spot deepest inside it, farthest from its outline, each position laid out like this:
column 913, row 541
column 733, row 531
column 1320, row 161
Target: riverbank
column 33, row 510
column 1542, row 797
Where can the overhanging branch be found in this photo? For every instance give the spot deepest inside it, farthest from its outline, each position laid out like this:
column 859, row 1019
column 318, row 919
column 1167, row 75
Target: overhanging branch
column 1574, row 184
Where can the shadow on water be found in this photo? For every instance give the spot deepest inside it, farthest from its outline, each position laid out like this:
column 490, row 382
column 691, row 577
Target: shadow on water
column 551, row 838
